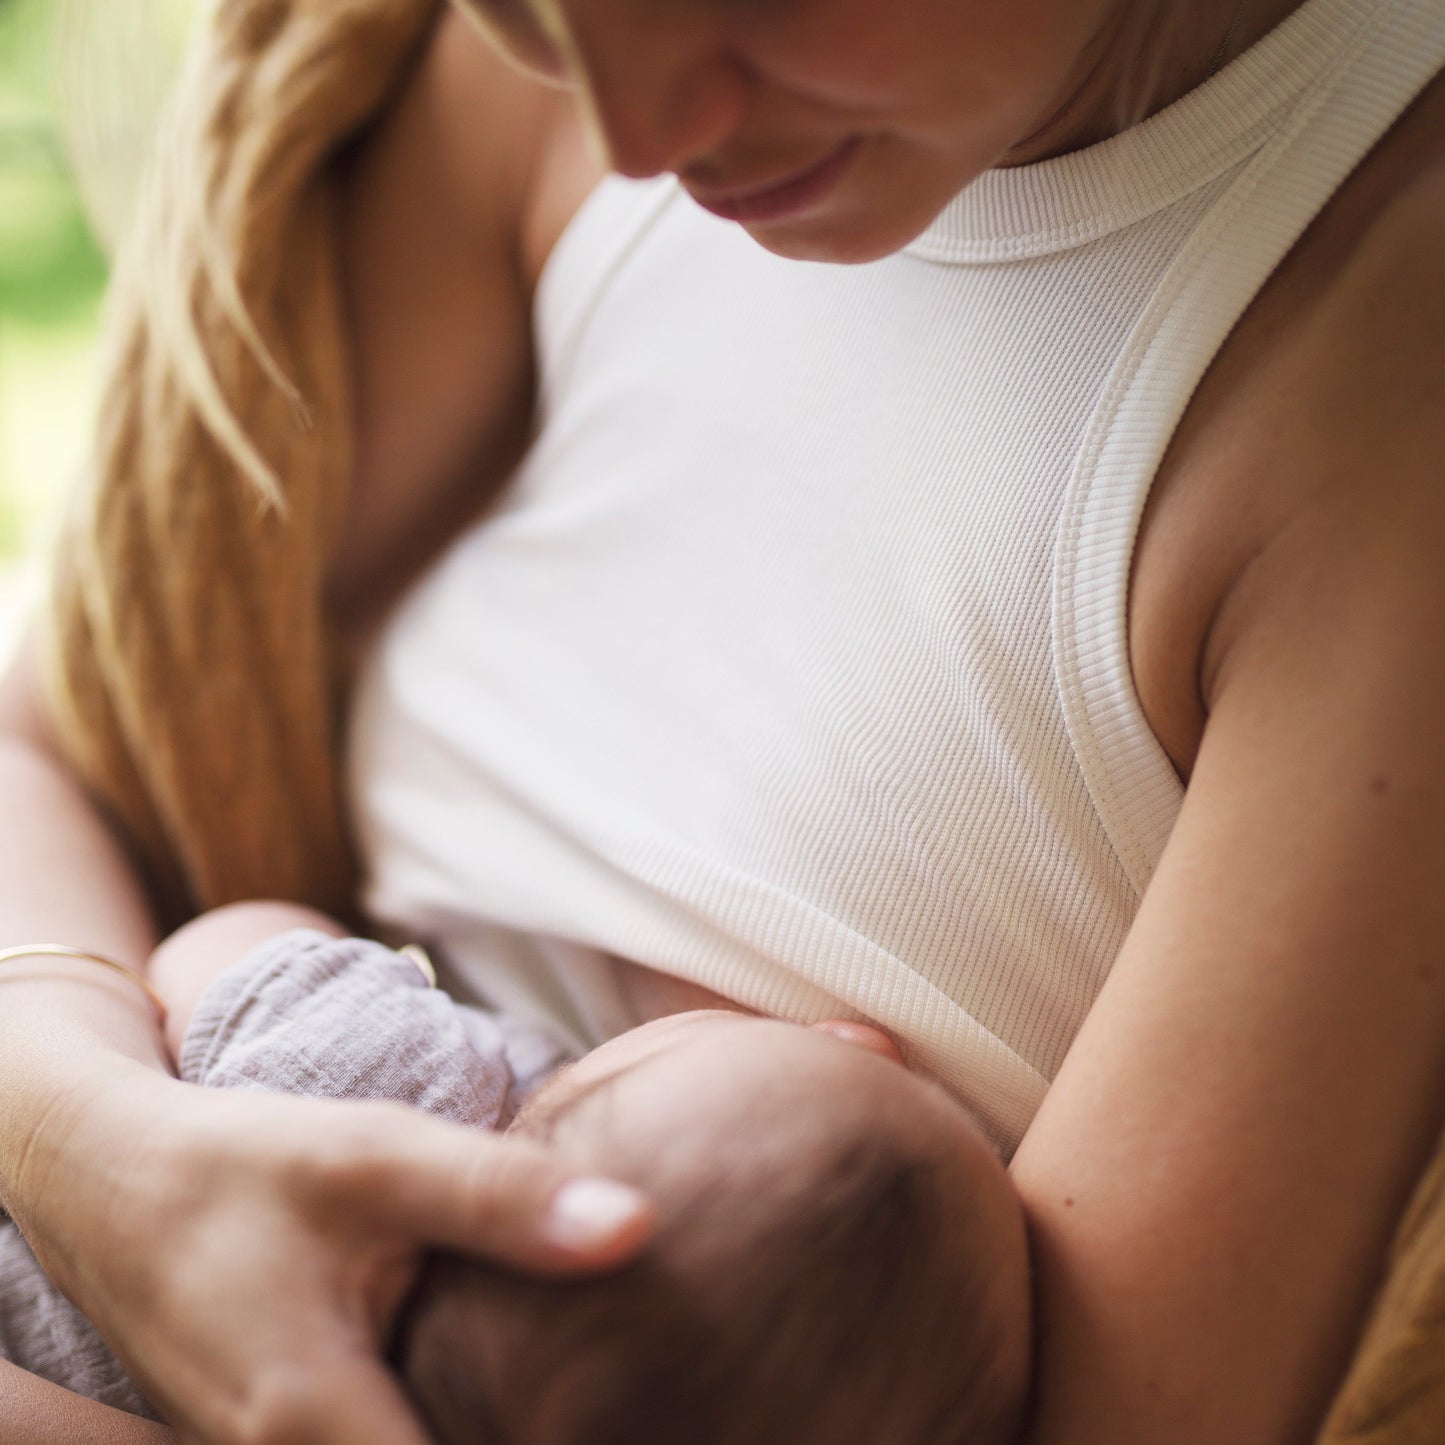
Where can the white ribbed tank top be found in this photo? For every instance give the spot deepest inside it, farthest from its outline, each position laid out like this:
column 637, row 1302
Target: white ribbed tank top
column 794, row 662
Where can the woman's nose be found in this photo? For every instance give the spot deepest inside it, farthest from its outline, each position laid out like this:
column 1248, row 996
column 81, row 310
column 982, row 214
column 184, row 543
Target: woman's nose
column 662, row 96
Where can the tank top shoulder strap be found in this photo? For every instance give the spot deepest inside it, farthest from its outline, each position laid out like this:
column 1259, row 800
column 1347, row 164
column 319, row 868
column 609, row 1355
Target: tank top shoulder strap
column 608, row 225
column 1354, row 66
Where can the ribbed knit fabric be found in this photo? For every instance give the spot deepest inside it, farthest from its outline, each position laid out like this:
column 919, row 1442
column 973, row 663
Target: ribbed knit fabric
column 795, row 662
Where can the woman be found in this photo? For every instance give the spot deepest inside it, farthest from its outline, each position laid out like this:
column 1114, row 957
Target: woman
column 936, row 777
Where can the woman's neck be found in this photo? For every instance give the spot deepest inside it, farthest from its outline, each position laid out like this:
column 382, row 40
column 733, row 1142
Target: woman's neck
column 1146, row 55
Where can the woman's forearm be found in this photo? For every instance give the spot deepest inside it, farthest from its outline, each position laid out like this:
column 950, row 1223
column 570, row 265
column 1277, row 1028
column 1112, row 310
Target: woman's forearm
column 34, row 1410
column 146, row 1200
column 62, row 874
column 63, row 879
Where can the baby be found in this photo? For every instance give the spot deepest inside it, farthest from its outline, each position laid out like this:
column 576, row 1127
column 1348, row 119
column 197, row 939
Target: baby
column 839, row 1254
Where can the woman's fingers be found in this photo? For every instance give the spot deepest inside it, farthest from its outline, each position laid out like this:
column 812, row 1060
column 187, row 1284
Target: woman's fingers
column 507, row 1199
column 308, row 1217
column 599, row 1220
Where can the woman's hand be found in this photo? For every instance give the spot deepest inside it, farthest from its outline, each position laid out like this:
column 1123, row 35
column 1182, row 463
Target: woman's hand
column 246, row 1254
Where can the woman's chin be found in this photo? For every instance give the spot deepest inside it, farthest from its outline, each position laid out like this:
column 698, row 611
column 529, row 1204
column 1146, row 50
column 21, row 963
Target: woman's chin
column 842, row 240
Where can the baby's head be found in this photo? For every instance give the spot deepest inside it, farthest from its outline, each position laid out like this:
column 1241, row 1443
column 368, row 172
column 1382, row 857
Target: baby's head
column 839, row 1258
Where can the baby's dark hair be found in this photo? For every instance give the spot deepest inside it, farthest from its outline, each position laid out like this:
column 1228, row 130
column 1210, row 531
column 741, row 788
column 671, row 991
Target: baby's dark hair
column 856, row 1304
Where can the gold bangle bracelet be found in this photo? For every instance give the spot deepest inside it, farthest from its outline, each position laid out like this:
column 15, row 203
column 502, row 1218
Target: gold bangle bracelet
column 83, row 955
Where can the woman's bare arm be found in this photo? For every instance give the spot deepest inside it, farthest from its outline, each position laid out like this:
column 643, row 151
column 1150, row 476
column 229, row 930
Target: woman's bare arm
column 323, row 1206
column 1215, row 1176
column 39, row 1413
column 63, row 878
column 62, row 1029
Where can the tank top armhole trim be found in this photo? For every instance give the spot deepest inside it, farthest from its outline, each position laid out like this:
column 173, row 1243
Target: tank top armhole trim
column 1253, row 226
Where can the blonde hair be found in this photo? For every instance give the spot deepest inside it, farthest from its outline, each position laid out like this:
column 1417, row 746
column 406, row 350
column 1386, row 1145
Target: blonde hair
column 187, row 658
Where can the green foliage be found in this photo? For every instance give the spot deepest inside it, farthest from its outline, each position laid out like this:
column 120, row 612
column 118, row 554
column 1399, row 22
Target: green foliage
column 108, row 64
column 52, row 274
column 12, row 529
column 50, row 267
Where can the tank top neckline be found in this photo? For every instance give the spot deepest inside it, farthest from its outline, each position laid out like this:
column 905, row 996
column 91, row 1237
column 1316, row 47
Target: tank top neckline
column 1014, row 213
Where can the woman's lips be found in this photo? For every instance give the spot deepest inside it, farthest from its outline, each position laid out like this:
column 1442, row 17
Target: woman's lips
column 788, row 197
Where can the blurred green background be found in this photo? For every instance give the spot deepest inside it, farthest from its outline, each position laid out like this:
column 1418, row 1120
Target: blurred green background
column 51, row 276
column 81, row 85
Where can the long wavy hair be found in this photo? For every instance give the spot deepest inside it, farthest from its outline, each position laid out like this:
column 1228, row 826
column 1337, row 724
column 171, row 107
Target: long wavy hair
column 186, row 653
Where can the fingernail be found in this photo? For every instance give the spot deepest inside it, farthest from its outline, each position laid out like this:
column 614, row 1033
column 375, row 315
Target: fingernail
column 590, row 1212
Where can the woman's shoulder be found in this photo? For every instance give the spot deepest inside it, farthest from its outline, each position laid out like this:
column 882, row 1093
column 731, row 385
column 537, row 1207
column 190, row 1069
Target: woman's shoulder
column 449, row 206
column 1383, row 232
column 1343, row 349
column 509, row 144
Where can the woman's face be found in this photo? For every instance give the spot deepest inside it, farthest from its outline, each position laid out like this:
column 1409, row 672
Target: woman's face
column 830, row 129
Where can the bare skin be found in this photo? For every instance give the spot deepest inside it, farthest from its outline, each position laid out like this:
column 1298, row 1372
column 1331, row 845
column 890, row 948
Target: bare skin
column 1132, row 1332
column 40, row 1413
column 1281, row 989
column 1268, row 1048
column 189, row 961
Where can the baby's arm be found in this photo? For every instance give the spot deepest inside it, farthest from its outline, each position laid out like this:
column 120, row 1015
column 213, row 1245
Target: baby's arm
column 187, row 963
column 310, row 1011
